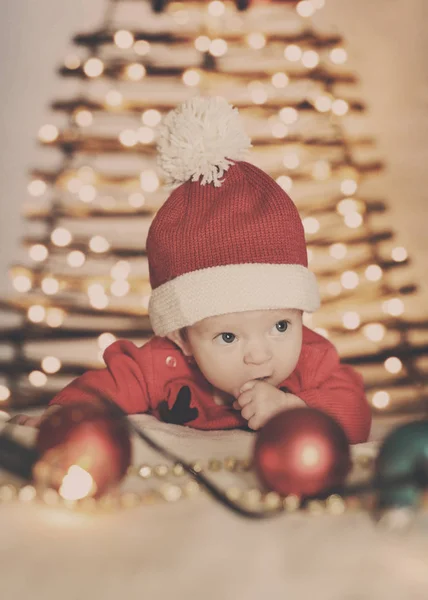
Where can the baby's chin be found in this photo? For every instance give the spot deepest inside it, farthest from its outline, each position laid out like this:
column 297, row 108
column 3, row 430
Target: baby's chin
column 228, row 394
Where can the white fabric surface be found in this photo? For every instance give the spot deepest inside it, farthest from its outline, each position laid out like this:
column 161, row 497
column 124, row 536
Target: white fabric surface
column 195, row 548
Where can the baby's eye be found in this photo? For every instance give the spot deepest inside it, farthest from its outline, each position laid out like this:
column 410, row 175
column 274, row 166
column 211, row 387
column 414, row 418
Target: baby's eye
column 281, row 326
column 226, row 337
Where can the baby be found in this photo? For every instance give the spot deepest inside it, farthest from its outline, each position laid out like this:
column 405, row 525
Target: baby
column 229, row 277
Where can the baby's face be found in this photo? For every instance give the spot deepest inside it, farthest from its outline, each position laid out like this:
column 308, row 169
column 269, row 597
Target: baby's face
column 239, row 347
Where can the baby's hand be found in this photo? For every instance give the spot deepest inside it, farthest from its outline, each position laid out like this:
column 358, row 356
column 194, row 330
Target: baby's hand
column 33, row 421
column 259, row 401
column 25, row 420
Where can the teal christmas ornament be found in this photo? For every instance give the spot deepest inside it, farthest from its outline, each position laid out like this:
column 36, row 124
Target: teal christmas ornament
column 401, row 468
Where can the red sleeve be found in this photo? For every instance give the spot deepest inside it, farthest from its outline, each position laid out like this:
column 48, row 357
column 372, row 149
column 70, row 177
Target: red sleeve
column 122, row 381
column 338, row 390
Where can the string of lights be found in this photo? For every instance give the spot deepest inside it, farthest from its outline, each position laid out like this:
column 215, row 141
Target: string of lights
column 83, row 272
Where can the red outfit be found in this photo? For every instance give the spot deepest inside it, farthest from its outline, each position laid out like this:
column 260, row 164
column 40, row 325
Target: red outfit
column 157, row 378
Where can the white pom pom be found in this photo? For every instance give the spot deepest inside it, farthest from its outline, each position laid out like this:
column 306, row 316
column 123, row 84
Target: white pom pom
column 201, row 138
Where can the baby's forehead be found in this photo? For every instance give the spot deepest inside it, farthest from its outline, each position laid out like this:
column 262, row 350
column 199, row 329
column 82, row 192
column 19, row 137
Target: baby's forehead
column 244, row 319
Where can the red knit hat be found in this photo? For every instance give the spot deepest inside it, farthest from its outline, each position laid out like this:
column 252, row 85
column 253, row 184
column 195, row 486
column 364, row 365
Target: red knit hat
column 217, row 245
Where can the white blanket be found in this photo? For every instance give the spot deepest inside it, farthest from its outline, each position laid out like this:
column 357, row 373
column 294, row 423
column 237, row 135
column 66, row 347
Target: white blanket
column 197, row 549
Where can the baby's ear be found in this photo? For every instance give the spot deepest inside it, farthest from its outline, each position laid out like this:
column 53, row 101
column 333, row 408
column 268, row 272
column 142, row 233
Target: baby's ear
column 181, row 341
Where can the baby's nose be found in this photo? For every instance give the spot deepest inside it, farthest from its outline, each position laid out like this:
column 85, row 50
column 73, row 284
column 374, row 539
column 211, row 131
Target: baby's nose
column 257, row 355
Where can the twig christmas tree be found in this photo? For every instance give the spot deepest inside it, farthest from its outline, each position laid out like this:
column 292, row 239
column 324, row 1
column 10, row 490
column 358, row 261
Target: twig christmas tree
column 83, row 278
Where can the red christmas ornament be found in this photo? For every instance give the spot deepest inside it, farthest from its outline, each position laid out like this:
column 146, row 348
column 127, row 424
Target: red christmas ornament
column 302, row 451
column 84, row 450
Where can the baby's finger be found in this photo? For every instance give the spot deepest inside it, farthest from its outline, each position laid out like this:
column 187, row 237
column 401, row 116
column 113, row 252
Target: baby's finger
column 254, row 423
column 18, row 419
column 33, row 422
column 244, row 398
column 248, row 411
column 248, row 386
column 25, row 420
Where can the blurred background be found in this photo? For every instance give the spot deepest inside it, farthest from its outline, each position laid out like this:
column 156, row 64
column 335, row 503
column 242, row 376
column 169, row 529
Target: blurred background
column 338, row 86
column 387, row 44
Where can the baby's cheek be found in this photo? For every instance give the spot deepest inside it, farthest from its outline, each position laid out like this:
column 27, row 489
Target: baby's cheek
column 225, row 378
column 213, row 371
column 287, row 367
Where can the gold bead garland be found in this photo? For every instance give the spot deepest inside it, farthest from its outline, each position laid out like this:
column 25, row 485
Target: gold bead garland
column 213, row 465
column 251, row 498
column 27, row 494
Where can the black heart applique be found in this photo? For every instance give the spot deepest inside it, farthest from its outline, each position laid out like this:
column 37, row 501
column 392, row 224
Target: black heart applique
column 181, row 412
